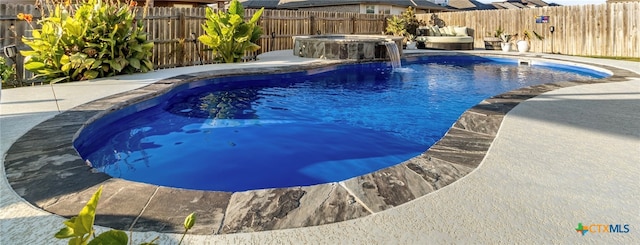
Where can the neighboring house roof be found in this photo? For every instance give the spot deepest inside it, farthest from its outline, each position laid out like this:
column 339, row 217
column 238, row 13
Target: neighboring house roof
column 297, row 4
column 141, row 2
column 268, row 4
column 518, row 4
column 537, row 3
column 469, row 5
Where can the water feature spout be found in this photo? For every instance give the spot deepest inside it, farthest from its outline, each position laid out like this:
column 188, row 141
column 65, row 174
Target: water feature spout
column 394, row 54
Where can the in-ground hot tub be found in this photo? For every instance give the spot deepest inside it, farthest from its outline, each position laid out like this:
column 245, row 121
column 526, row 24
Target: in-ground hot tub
column 340, row 47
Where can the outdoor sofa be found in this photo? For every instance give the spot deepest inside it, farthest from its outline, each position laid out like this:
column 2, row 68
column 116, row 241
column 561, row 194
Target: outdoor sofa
column 448, row 37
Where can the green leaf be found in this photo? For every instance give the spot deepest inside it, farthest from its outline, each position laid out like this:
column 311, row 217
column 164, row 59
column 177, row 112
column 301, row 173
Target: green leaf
column 236, row 8
column 136, row 47
column 135, row 63
column 86, row 217
column 142, row 37
column 28, row 52
column 212, row 41
column 235, row 20
column 114, row 65
column 252, row 47
column 64, row 233
column 147, row 46
column 57, row 80
column 112, row 237
column 91, row 74
column 64, row 59
column 189, row 221
column 34, row 66
column 148, row 64
column 96, row 64
column 256, row 16
column 66, row 67
column 76, row 241
column 255, row 35
column 88, row 63
column 122, row 61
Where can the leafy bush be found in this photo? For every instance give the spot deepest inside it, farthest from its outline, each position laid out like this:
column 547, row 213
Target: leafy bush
column 95, row 39
column 396, row 26
column 7, row 72
column 411, row 22
column 406, row 25
column 228, row 35
column 80, row 228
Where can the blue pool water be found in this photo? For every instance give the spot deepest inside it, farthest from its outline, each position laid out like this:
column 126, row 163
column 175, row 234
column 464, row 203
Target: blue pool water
column 303, row 128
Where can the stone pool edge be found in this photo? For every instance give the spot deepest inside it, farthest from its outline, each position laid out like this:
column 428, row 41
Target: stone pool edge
column 44, row 168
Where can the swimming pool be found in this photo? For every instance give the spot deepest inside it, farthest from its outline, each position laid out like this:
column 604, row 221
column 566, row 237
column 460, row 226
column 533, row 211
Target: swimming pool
column 302, row 128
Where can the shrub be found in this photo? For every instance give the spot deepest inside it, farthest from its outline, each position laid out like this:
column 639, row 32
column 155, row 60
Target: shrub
column 95, row 39
column 7, row 73
column 228, row 35
column 411, row 22
column 406, row 25
column 396, row 26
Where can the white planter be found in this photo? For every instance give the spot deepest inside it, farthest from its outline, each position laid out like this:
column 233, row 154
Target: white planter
column 523, row 46
column 506, row 47
column 411, row 45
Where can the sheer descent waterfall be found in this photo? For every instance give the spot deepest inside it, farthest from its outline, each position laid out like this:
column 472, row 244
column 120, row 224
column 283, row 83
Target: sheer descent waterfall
column 394, row 54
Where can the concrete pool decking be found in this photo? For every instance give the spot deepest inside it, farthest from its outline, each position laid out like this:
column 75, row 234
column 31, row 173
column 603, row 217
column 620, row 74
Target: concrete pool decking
column 482, row 207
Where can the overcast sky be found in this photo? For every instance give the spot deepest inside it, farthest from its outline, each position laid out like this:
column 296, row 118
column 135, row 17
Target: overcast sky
column 561, row 2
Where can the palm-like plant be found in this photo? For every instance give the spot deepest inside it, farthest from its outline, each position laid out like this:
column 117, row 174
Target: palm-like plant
column 228, row 35
column 528, row 35
column 396, row 26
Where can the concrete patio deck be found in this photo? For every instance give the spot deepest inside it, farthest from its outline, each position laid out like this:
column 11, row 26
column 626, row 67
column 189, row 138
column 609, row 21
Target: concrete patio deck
column 565, row 157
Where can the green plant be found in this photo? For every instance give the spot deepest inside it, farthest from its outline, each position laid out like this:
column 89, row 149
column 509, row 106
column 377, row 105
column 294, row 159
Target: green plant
column 7, row 73
column 396, row 26
column 411, row 23
column 498, row 32
column 505, row 38
column 528, row 35
column 228, row 35
column 91, row 39
column 79, row 229
column 406, row 25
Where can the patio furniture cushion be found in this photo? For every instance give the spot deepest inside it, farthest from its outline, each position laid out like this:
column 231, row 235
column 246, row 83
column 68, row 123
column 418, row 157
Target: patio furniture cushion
column 435, row 31
column 461, row 31
column 445, row 39
column 448, row 37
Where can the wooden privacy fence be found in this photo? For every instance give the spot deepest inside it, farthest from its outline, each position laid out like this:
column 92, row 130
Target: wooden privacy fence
column 589, row 30
column 174, row 30
column 281, row 25
column 593, row 30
